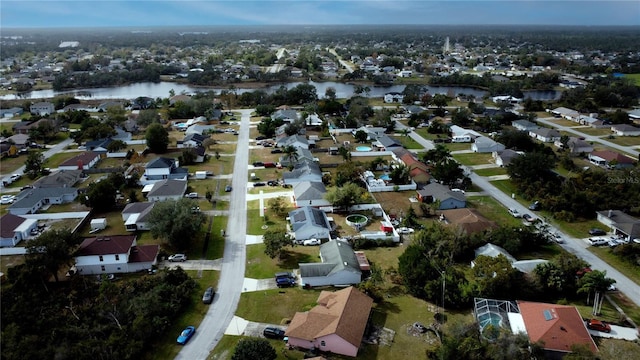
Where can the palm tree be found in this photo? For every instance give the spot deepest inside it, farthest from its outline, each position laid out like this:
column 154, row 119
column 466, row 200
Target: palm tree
column 597, row 282
column 292, row 153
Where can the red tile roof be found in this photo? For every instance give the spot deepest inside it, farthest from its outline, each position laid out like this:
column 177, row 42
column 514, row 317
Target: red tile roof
column 104, row 245
column 612, row 155
column 558, row 326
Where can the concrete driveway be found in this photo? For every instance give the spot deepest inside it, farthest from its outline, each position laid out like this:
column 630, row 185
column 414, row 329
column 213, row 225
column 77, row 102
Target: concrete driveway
column 250, row 284
column 617, row 332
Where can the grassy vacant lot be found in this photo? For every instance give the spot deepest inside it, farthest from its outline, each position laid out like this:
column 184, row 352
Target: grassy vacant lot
column 564, row 122
column 579, row 229
column 505, row 186
column 457, row 146
column 634, row 77
column 491, row 171
column 493, row 210
column 260, row 266
column 473, row 158
column 255, row 222
column 594, row 131
column 625, row 140
column 10, row 164
column 165, row 346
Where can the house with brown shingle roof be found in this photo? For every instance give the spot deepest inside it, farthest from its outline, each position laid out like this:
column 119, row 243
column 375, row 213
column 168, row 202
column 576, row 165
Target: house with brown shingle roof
column 335, row 325
column 418, row 170
column 114, row 254
column 610, row 159
column 468, row 220
column 84, row 161
column 14, row 228
column 557, row 327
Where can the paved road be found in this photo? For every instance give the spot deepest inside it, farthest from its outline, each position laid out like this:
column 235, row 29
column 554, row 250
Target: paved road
column 576, row 246
column 221, row 311
column 342, row 62
column 47, row 154
column 590, row 138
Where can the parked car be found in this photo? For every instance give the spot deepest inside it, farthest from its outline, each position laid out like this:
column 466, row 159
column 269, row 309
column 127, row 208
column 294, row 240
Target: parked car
column 598, row 325
column 186, row 334
column 207, row 298
column 7, row 199
column 514, row 213
column 273, row 333
column 311, row 242
column 16, row 177
column 261, row 137
column 258, row 184
column 272, row 183
column 528, row 218
column 535, row 206
column 178, row 257
column 227, row 188
column 597, row 232
column 596, row 241
column 276, row 151
column 285, row 274
column 285, row 282
column 405, row 230
column 192, row 195
column 557, row 238
column 258, row 164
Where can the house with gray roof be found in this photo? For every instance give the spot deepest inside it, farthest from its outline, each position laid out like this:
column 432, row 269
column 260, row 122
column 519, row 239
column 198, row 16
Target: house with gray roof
column 545, row 134
column 373, row 132
column 524, row 125
column 167, row 189
column 42, row 108
column 386, row 142
column 575, row 146
column 163, row 168
column 11, row 112
column 339, row 266
column 135, row 215
column 621, row 223
column 504, row 157
column 286, row 115
column 293, row 140
column 199, row 129
column 192, row 140
column 29, row 201
column 437, row 192
column 310, row 223
column 484, row 144
column 566, row 113
column 625, row 130
column 14, row 228
column 62, row 178
column 301, row 154
column 303, row 171
column 310, row 193
column 99, row 145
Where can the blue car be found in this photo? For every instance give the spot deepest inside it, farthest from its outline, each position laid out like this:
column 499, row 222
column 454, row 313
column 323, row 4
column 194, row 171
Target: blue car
column 186, row 334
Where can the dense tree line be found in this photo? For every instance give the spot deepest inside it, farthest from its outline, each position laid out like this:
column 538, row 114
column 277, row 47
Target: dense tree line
column 132, row 74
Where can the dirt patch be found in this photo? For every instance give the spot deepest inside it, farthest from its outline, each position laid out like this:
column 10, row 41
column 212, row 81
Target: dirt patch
column 380, row 336
column 397, row 202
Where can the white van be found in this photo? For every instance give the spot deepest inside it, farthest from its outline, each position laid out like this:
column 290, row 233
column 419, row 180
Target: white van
column 461, row 139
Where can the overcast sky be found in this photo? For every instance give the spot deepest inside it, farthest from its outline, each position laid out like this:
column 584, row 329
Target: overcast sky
column 118, row 13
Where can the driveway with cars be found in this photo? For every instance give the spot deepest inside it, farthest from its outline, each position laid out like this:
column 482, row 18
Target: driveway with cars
column 617, row 332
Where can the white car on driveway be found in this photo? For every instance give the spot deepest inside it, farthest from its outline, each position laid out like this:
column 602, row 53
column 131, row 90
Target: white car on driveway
column 7, row 199
column 311, row 242
column 178, row 257
column 405, row 230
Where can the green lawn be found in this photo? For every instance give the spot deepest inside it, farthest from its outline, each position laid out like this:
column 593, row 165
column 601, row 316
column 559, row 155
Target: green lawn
column 408, row 142
column 491, row 171
column 625, row 140
column 260, row 266
column 473, row 158
column 634, row 77
column 493, row 210
column 578, row 229
column 282, row 304
column 458, row 146
column 56, row 159
column 564, row 122
column 505, row 186
column 225, row 348
column 594, row 131
column 255, row 222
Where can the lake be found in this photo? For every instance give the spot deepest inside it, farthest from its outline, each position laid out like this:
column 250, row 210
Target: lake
column 163, row 88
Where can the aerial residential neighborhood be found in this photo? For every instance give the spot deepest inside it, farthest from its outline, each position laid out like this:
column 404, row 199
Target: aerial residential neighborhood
column 305, row 193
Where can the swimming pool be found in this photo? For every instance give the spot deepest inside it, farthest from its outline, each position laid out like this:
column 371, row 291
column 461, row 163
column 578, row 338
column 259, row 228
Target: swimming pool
column 385, row 177
column 363, row 148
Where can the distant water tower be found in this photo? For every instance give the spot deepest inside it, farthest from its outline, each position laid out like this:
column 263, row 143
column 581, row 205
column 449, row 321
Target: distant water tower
column 446, row 48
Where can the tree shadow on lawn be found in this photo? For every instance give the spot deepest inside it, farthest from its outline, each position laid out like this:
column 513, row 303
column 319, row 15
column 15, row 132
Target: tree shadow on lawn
column 291, row 259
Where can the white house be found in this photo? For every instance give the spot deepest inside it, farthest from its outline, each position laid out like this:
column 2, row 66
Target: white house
column 161, row 169
column 83, row 161
column 14, row 229
column 29, row 201
column 392, row 97
column 303, row 171
column 504, row 157
column 339, row 266
column 167, row 190
column 114, row 254
column 524, row 125
column 310, row 223
column 42, row 108
column 483, row 144
column 625, row 130
column 545, row 134
column 135, row 215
